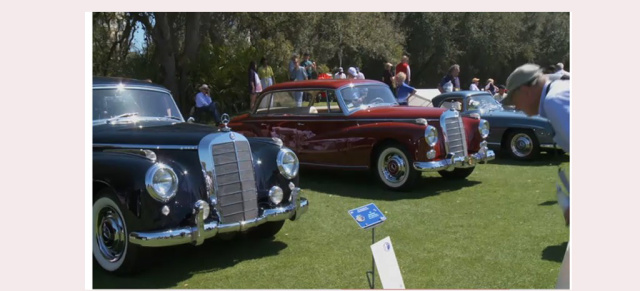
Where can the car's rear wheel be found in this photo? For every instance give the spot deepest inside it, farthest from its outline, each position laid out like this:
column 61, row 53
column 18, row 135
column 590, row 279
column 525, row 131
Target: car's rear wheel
column 111, row 247
column 394, row 168
column 457, row 173
column 522, row 145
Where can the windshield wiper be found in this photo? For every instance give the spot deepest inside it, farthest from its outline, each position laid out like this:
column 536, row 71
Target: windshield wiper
column 173, row 117
column 122, row 116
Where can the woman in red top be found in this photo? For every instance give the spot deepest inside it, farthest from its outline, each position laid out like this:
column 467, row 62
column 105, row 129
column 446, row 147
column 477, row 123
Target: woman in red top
column 404, row 67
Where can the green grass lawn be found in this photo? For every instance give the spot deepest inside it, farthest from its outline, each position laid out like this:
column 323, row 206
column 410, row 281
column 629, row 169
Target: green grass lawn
column 500, row 229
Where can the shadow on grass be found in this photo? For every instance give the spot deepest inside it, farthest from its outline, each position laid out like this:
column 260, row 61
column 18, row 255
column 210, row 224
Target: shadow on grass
column 549, row 202
column 167, row 267
column 544, row 159
column 555, row 253
column 365, row 185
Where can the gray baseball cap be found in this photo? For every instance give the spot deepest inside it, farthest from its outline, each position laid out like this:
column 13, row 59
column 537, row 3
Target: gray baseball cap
column 521, row 76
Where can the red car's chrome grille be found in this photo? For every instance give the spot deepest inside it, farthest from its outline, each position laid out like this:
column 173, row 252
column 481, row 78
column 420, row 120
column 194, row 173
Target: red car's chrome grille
column 455, row 137
column 235, row 181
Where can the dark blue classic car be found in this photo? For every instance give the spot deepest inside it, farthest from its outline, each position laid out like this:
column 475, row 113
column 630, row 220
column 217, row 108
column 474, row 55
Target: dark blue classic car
column 522, row 137
column 159, row 181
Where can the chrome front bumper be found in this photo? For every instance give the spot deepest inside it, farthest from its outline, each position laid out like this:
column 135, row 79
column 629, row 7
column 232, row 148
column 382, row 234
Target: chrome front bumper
column 201, row 231
column 451, row 162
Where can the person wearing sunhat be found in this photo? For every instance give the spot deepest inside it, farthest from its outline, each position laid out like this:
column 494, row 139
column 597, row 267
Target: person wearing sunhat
column 352, row 73
column 536, row 93
column 205, row 104
column 474, row 84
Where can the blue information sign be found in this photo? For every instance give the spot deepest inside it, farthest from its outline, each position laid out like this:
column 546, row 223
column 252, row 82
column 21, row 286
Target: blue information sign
column 368, row 216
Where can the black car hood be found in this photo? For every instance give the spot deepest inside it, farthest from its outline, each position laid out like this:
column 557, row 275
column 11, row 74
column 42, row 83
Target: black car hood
column 151, row 133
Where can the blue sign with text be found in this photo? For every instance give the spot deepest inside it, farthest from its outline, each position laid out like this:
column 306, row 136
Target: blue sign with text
column 368, row 216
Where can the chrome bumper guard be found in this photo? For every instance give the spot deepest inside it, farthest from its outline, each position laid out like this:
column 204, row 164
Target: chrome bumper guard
column 451, row 161
column 201, row 231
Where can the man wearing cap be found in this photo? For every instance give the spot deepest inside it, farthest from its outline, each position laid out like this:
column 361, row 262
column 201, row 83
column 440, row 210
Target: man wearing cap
column 340, row 74
column 474, row 84
column 536, row 93
column 205, row 104
column 501, row 93
column 352, row 73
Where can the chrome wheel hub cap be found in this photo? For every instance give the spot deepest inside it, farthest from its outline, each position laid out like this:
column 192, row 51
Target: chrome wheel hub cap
column 394, row 168
column 521, row 145
column 110, row 234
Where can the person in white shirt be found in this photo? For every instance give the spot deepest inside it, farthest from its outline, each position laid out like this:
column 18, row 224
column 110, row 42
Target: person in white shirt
column 474, row 84
column 340, row 74
column 360, row 75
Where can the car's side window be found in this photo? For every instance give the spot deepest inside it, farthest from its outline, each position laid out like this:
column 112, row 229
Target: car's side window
column 303, row 102
column 263, row 106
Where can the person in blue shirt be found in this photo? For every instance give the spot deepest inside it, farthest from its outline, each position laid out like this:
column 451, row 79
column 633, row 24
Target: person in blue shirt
column 205, row 104
column 550, row 96
column 403, row 91
column 450, row 82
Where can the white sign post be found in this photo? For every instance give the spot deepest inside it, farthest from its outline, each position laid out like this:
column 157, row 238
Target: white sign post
column 387, row 264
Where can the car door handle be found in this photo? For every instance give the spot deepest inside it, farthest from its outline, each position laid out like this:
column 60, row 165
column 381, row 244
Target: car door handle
column 300, row 123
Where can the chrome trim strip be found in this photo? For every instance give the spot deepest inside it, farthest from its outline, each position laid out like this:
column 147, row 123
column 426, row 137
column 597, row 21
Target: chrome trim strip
column 103, row 87
column 138, row 152
column 452, row 162
column 334, row 166
column 549, row 146
column 198, row 233
column 409, row 120
column 144, row 146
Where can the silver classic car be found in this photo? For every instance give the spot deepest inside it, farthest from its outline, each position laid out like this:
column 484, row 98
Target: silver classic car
column 522, row 137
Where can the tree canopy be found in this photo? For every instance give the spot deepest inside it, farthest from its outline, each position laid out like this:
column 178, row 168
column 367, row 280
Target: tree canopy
column 183, row 50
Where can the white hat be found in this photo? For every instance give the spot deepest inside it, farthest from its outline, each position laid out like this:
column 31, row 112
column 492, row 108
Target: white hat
column 204, row 86
column 340, row 69
column 560, row 66
column 352, row 71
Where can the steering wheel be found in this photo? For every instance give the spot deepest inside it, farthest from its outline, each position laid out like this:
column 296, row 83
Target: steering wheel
column 377, row 100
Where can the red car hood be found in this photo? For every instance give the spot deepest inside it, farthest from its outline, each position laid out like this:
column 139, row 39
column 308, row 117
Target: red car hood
column 399, row 112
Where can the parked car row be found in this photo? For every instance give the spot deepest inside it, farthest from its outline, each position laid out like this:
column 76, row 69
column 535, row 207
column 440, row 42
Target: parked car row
column 159, row 181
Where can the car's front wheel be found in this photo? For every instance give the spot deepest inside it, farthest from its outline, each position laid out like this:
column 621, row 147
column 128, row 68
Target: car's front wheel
column 394, row 168
column 111, row 247
column 522, row 145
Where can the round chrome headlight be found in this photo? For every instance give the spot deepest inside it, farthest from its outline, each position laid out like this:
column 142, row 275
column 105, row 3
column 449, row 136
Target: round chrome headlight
column 287, row 163
column 483, row 127
column 276, row 194
column 161, row 182
column 431, row 135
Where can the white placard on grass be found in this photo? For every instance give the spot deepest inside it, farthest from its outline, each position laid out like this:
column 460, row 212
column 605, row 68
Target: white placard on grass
column 387, row 264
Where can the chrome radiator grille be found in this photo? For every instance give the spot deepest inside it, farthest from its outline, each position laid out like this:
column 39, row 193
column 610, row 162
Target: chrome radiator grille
column 234, row 181
column 454, row 134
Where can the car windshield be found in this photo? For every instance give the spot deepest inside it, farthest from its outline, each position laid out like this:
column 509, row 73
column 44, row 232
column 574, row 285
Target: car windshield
column 365, row 96
column 483, row 103
column 111, row 104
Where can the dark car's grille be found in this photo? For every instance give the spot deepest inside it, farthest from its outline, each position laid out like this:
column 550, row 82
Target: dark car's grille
column 455, row 137
column 235, row 181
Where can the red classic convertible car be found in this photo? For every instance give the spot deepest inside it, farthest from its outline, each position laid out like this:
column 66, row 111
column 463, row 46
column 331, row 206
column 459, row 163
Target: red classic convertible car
column 360, row 126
